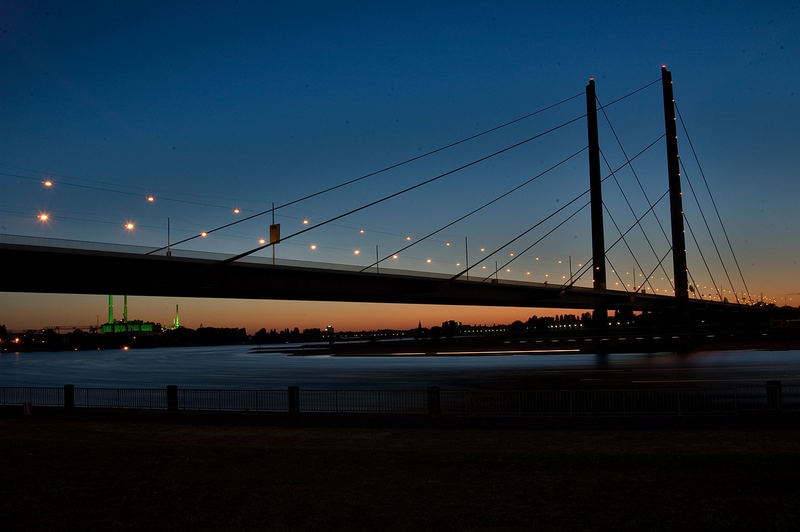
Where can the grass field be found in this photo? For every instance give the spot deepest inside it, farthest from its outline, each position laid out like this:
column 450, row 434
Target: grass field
column 84, row 474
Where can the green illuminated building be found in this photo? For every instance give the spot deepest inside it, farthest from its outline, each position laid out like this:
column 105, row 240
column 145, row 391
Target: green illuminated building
column 123, row 325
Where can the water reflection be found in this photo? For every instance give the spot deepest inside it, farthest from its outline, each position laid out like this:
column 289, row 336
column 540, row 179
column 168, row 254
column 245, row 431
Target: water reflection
column 238, row 367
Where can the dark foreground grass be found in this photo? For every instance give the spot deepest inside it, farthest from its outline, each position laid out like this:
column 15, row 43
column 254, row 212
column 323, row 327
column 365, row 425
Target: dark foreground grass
column 63, row 482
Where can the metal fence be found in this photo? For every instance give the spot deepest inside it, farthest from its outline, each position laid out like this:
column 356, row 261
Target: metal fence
column 772, row 396
column 233, row 400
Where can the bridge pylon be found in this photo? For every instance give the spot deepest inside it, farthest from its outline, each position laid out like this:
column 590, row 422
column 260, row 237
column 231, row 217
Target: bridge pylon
column 600, row 313
column 681, row 281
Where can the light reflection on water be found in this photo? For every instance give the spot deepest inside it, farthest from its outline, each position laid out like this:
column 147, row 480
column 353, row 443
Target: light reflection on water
column 237, row 367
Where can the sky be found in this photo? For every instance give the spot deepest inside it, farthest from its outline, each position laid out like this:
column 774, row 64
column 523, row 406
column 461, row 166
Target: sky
column 211, row 107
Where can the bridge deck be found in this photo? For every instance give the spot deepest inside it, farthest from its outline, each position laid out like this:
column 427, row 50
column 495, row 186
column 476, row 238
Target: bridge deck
column 31, row 268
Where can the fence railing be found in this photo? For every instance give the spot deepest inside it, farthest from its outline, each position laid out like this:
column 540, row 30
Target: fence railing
column 772, row 396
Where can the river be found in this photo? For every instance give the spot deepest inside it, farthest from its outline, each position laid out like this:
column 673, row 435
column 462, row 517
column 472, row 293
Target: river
column 237, row 367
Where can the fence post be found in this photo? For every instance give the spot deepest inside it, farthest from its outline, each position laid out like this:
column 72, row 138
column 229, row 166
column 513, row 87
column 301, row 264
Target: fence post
column 69, row 397
column 172, row 397
column 774, row 395
column 434, row 401
column 294, row 400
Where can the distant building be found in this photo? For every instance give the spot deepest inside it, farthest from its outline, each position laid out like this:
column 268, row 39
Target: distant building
column 123, row 325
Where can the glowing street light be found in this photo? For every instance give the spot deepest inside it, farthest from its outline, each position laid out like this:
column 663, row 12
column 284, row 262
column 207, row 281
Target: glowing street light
column 262, row 241
column 408, row 238
column 428, row 261
column 447, row 244
column 356, row 252
column 361, row 231
column 151, row 199
column 394, row 257
column 483, row 249
column 314, row 246
column 129, row 226
column 305, row 221
column 47, row 183
column 236, row 210
column 43, row 217
column 204, row 234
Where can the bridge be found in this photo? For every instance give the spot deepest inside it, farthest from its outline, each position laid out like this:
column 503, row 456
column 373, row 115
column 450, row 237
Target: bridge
column 60, row 266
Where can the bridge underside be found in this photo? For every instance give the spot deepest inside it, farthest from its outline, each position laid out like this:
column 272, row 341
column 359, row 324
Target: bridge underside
column 59, row 270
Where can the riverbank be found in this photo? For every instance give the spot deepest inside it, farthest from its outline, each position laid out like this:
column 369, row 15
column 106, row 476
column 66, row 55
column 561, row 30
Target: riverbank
column 632, row 341
column 78, row 474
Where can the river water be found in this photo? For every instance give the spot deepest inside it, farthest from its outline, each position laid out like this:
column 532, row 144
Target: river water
column 239, row 368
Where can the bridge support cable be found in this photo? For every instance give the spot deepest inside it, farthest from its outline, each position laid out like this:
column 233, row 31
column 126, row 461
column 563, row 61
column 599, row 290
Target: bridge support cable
column 628, row 95
column 710, row 234
column 703, row 257
column 389, row 167
column 625, row 241
column 407, row 189
column 635, row 173
column 616, row 273
column 647, row 198
column 573, row 200
column 585, row 269
column 401, row 163
column 713, row 202
column 488, row 203
column 525, row 232
column 633, row 212
column 551, row 231
column 675, row 200
column 661, row 260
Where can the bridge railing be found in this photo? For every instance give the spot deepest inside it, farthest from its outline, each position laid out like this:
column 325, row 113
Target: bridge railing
column 774, row 396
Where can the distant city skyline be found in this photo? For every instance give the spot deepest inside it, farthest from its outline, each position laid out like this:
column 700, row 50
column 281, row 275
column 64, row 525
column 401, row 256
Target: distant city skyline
column 204, row 115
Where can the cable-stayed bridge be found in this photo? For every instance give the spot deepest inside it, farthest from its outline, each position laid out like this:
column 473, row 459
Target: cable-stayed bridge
column 60, row 266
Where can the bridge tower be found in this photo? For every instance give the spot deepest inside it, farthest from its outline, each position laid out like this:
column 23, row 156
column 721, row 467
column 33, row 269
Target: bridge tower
column 675, row 196
column 596, row 199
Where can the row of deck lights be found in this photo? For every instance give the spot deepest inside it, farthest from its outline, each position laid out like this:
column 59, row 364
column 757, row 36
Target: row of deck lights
column 130, row 226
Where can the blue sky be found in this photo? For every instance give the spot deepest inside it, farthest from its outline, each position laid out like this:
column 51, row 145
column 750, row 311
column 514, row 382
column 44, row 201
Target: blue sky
column 221, row 106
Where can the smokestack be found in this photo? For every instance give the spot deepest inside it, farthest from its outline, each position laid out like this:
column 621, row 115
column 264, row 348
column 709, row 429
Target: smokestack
column 110, row 308
column 125, row 310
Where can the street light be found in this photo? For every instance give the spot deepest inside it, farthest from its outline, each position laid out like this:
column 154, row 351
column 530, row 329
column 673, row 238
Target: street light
column 129, row 226
column 43, row 217
column 48, row 183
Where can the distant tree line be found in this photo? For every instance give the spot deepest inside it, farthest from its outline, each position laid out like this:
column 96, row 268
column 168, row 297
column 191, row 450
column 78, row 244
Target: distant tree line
column 51, row 340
